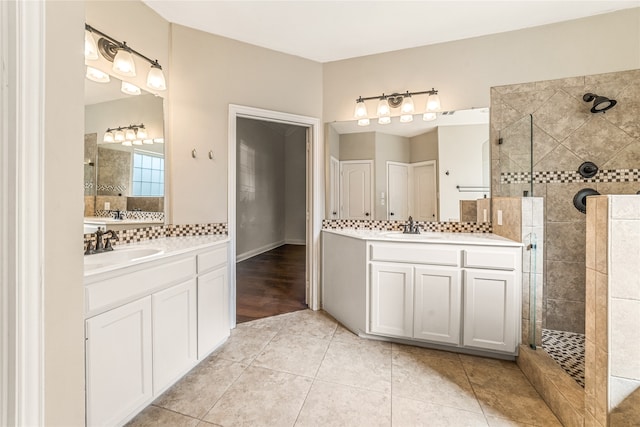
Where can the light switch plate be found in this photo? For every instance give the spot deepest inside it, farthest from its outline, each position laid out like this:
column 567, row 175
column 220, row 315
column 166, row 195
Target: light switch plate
column 499, row 217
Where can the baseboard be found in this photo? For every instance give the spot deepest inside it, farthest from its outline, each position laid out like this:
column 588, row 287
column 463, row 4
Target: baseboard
column 295, row 242
column 258, row 251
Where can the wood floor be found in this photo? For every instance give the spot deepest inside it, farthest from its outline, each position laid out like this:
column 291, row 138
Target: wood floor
column 271, row 283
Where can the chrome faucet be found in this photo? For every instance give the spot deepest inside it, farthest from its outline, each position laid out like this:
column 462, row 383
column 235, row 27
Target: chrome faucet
column 410, row 227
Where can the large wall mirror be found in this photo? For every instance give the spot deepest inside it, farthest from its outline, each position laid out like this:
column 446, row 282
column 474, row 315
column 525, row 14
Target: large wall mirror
column 123, row 176
column 433, row 171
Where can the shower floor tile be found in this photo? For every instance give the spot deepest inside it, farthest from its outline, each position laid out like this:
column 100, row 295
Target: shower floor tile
column 567, row 349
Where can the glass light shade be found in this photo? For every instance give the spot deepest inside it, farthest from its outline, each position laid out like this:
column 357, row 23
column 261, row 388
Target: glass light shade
column 137, row 142
column 147, row 141
column 130, row 134
column 383, row 108
column 126, row 143
column 363, row 122
column 142, row 133
column 155, row 79
column 108, row 137
column 118, row 136
column 406, row 118
column 427, row 117
column 360, row 111
column 96, row 75
column 130, row 89
column 407, row 106
column 90, row 47
column 384, row 120
column 433, row 103
column 123, row 63
column 158, row 140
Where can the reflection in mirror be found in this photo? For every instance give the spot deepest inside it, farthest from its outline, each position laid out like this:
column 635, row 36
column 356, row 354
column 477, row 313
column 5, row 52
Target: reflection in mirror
column 432, row 171
column 123, row 176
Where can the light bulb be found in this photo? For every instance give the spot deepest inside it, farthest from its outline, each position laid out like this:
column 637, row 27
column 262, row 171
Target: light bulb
column 130, row 134
column 142, row 133
column 407, row 106
column 427, row 117
column 155, row 78
column 433, row 102
column 363, row 122
column 123, row 63
column 406, row 118
column 361, row 110
column 90, row 47
column 137, row 142
column 384, row 120
column 96, row 75
column 147, row 141
column 126, row 143
column 158, row 140
column 383, row 108
column 108, row 137
column 130, row 89
column 119, row 136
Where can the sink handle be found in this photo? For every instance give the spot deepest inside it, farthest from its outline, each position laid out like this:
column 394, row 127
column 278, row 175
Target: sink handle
column 89, row 249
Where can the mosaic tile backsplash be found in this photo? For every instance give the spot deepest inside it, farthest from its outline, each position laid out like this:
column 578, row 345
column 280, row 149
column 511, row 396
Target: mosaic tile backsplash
column 451, row 227
column 143, row 215
column 149, row 233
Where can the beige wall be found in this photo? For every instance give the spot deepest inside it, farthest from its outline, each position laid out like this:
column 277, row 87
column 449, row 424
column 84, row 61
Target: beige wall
column 63, row 292
column 357, row 146
column 463, row 71
column 295, row 185
column 424, row 147
column 208, row 73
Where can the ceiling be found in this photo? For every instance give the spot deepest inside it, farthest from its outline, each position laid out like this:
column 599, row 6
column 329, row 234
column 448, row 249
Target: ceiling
column 325, row 31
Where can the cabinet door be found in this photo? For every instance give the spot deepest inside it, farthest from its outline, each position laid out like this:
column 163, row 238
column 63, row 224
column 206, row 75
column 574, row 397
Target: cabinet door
column 213, row 311
column 490, row 310
column 174, row 333
column 118, row 362
column 437, row 305
column 391, row 300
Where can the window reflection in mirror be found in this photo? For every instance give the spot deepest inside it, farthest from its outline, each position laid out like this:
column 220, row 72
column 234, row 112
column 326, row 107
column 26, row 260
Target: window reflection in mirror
column 127, row 178
column 433, row 171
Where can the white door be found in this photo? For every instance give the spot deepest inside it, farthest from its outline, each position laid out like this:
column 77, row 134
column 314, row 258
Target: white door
column 437, row 305
column 174, row 333
column 356, row 191
column 397, row 191
column 490, row 310
column 424, row 202
column 118, row 362
column 213, row 315
column 391, row 296
column 334, row 188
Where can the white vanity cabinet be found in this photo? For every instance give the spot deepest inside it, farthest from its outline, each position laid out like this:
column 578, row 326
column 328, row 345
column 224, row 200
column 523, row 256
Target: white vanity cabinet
column 147, row 325
column 463, row 294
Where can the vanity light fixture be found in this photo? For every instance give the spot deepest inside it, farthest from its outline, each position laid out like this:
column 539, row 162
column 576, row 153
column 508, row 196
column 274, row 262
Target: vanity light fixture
column 126, row 143
column 119, row 137
column 395, row 100
column 96, row 75
column 158, row 140
column 130, row 134
column 126, row 134
column 122, row 57
column 147, row 141
column 129, row 89
column 137, row 142
column 108, row 137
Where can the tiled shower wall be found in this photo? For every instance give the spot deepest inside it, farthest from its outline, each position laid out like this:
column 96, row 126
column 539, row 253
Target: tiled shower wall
column 565, row 134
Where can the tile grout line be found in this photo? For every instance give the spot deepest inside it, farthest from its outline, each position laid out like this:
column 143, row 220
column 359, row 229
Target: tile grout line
column 473, row 389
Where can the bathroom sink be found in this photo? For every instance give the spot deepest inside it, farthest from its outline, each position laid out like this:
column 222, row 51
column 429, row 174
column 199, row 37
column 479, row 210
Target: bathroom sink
column 401, row 235
column 119, row 256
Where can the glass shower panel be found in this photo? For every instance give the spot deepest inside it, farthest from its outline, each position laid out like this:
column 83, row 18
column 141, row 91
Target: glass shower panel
column 515, row 158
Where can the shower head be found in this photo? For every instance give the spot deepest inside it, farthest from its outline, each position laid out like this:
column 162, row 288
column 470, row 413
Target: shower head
column 600, row 103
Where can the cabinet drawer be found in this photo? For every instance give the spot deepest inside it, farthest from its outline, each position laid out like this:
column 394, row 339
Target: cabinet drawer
column 494, row 258
column 118, row 290
column 416, row 253
column 212, row 259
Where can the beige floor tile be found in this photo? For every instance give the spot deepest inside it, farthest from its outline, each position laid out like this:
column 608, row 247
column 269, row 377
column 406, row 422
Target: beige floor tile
column 296, row 354
column 199, row 390
column 420, row 376
column 338, row 405
column 273, row 323
column 468, row 360
column 153, row 416
column 359, row 363
column 310, row 323
column 245, row 344
column 409, row 412
column 261, row 397
column 448, row 355
column 502, row 422
column 206, row 424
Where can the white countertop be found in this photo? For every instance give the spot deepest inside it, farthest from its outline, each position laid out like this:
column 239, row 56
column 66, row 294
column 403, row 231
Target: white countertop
column 426, row 237
column 164, row 247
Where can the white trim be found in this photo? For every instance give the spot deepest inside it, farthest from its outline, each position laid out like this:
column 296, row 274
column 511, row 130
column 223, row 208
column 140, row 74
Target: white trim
column 315, row 197
column 258, row 251
column 298, row 242
column 22, row 212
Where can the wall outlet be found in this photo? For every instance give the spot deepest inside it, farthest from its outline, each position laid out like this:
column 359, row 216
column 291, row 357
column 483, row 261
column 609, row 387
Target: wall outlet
column 107, row 206
column 499, row 217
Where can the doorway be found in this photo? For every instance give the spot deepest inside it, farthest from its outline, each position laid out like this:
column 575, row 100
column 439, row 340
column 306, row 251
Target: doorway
column 313, row 210
column 270, row 218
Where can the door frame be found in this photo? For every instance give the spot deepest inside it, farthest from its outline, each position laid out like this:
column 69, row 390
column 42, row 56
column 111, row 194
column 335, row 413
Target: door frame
column 314, row 202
